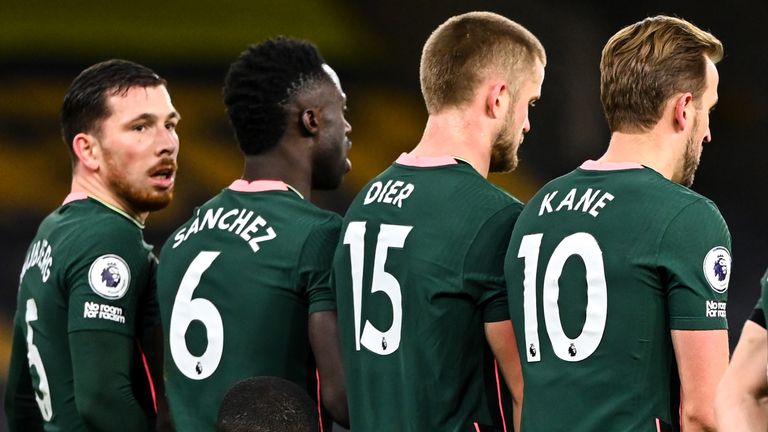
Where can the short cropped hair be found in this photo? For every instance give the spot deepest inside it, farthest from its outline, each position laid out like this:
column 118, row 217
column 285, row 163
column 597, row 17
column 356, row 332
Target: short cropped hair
column 85, row 104
column 646, row 63
column 463, row 50
column 267, row 404
column 262, row 82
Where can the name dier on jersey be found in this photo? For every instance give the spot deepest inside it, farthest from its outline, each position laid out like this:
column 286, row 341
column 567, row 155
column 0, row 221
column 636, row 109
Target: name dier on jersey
column 241, row 222
column 393, row 192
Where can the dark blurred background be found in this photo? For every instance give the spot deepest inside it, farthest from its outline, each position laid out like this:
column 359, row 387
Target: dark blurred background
column 375, row 47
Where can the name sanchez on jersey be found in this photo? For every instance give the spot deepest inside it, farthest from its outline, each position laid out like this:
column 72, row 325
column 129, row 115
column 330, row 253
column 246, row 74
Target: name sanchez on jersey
column 589, row 201
column 242, row 222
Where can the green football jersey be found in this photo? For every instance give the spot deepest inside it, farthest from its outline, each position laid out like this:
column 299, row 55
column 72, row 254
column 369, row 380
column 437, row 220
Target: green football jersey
column 417, row 273
column 236, row 285
column 602, row 264
column 88, row 268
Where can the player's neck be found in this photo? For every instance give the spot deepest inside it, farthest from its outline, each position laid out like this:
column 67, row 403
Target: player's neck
column 651, row 149
column 92, row 186
column 456, row 134
column 276, row 165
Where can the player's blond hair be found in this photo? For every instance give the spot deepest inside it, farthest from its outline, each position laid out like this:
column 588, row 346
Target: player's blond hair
column 646, row 63
column 462, row 51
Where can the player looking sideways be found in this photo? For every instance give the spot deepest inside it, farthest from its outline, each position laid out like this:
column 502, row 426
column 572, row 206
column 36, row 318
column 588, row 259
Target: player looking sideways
column 419, row 268
column 86, row 297
column 617, row 272
column 244, row 285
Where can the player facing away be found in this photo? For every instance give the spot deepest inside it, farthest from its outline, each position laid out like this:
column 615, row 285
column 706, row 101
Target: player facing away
column 617, row 272
column 419, row 267
column 244, row 285
column 742, row 395
column 85, row 296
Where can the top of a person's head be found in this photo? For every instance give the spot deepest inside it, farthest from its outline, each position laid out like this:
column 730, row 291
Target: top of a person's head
column 647, row 63
column 267, row 404
column 465, row 49
column 86, row 102
column 262, row 83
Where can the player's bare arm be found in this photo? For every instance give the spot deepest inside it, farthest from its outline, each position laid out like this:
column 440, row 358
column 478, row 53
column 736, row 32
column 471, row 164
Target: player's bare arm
column 741, row 403
column 501, row 338
column 702, row 357
column 324, row 338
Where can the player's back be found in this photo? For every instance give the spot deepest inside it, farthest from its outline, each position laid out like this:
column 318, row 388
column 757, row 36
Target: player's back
column 73, row 280
column 236, row 284
column 600, row 268
column 415, row 281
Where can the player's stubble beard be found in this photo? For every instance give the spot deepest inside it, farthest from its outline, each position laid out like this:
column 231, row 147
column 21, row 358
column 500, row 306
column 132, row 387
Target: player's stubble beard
column 141, row 198
column 504, row 148
column 692, row 155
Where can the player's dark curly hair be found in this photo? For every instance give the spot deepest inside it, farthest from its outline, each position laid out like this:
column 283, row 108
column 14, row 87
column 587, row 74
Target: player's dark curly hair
column 267, row 404
column 85, row 104
column 261, row 82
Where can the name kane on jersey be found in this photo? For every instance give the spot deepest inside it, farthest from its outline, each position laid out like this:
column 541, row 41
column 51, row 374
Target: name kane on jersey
column 588, row 202
column 241, row 222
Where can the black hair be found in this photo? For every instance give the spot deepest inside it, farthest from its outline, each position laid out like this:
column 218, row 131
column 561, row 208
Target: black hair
column 267, row 404
column 260, row 84
column 85, row 103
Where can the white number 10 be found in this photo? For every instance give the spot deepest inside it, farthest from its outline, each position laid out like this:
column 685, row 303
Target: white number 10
column 390, row 236
column 584, row 246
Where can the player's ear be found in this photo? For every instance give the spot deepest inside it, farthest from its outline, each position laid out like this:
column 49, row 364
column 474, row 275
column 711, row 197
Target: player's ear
column 497, row 100
column 683, row 110
column 87, row 150
column 310, row 121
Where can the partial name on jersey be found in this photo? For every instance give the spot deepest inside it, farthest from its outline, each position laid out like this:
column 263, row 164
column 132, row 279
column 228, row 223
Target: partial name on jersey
column 109, row 276
column 717, row 266
column 241, row 222
column 102, row 311
column 41, row 255
column 392, row 192
column 589, row 201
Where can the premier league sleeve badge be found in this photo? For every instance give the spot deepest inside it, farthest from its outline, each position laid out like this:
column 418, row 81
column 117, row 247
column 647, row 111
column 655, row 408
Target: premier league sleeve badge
column 109, row 277
column 717, row 266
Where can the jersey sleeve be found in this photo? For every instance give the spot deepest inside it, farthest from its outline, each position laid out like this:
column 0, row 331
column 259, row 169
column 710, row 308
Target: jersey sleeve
column 314, row 271
column 105, row 279
column 484, row 263
column 695, row 261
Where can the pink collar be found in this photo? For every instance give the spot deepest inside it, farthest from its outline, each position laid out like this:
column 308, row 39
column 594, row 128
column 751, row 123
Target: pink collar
column 74, row 196
column 425, row 161
column 258, row 186
column 609, row 166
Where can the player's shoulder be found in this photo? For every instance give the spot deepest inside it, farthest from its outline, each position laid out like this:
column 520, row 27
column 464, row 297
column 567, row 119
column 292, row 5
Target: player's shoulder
column 668, row 192
column 312, row 216
column 693, row 206
column 498, row 194
column 670, row 196
column 477, row 191
column 90, row 221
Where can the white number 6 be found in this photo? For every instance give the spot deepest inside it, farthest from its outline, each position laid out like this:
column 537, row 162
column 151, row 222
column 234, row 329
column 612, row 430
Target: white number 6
column 185, row 310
